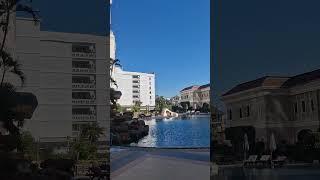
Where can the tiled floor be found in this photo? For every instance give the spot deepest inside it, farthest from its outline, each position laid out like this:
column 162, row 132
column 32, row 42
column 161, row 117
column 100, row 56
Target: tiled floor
column 164, row 164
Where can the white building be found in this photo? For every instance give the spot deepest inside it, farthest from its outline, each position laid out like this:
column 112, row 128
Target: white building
column 135, row 87
column 68, row 74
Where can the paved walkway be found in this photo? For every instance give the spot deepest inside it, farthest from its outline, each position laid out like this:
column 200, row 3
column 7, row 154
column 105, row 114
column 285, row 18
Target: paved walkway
column 168, row 164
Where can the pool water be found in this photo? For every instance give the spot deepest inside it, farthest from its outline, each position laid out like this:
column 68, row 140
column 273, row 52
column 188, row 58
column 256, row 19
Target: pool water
column 179, row 132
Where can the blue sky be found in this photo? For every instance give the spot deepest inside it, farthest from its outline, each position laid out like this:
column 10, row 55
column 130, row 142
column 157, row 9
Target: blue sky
column 257, row 38
column 170, row 38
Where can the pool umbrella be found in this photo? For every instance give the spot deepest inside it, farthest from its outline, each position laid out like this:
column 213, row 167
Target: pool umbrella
column 246, row 145
column 273, row 146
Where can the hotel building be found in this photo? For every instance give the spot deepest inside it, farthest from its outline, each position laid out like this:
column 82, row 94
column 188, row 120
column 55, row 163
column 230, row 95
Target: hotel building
column 135, row 87
column 195, row 96
column 68, row 74
column 280, row 105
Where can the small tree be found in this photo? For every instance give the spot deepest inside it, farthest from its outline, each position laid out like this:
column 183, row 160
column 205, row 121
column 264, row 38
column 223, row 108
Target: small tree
column 137, row 106
column 162, row 103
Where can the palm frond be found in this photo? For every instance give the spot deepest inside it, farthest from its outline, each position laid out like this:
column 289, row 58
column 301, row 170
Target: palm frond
column 17, row 71
column 12, row 66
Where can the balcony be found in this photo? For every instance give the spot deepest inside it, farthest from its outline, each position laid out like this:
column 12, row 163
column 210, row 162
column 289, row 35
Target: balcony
column 83, row 66
column 83, row 50
column 84, row 97
column 84, row 113
column 83, row 82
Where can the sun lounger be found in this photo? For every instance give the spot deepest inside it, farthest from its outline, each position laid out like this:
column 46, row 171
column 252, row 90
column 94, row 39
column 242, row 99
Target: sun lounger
column 250, row 162
column 279, row 161
column 264, row 161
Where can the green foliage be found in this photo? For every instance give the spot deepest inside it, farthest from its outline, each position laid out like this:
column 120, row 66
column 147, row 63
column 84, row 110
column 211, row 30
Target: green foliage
column 92, row 132
column 205, row 108
column 28, row 145
column 84, row 150
column 162, row 103
column 137, row 106
column 119, row 108
column 85, row 147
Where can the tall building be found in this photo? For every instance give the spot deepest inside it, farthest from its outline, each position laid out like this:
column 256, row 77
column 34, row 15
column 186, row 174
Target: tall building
column 135, row 87
column 67, row 72
column 283, row 106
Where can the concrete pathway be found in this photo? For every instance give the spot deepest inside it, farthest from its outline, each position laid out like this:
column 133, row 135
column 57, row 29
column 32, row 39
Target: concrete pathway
column 168, row 164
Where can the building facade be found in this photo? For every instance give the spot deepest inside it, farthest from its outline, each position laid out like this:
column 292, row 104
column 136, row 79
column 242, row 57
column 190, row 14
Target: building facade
column 195, row 96
column 67, row 72
column 280, row 105
column 135, row 87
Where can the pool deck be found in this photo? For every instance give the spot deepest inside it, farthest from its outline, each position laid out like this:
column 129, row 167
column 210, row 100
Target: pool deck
column 152, row 163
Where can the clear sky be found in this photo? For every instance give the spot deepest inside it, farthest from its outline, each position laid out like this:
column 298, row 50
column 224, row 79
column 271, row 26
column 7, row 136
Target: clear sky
column 168, row 37
column 255, row 38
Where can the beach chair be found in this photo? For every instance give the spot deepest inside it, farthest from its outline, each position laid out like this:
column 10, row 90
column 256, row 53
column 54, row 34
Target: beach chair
column 250, row 162
column 264, row 161
column 279, row 162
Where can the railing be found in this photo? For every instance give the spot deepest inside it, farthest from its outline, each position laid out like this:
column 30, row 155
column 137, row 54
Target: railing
column 83, row 101
column 84, row 85
column 83, row 55
column 84, row 117
column 83, row 70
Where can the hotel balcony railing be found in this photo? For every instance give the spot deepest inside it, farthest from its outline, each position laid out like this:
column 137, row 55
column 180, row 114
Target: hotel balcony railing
column 84, row 85
column 84, row 101
column 84, row 117
column 83, row 70
column 84, row 54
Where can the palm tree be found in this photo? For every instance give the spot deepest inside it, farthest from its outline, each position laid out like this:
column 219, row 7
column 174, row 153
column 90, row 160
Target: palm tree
column 9, row 65
column 7, row 8
column 92, row 132
column 8, row 95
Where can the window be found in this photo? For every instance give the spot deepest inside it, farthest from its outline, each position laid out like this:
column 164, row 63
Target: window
column 312, row 105
column 240, row 111
column 296, row 107
column 303, row 104
column 230, row 114
column 135, row 81
column 135, row 86
column 248, row 111
column 135, row 96
column 150, row 97
column 135, row 91
column 135, row 76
